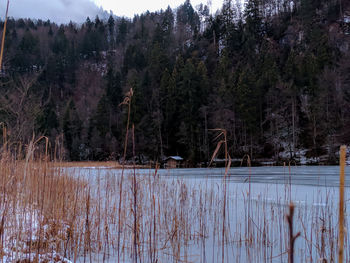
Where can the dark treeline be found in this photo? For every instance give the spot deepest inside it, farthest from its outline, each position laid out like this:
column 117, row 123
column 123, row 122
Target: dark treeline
column 274, row 74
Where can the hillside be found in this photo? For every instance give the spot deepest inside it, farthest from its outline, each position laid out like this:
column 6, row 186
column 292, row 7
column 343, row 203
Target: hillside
column 275, row 76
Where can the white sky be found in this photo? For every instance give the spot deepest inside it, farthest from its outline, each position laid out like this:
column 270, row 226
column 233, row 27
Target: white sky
column 62, row 11
column 129, row 8
column 59, row 11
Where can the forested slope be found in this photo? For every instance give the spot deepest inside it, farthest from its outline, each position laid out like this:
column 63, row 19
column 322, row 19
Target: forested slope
column 274, row 74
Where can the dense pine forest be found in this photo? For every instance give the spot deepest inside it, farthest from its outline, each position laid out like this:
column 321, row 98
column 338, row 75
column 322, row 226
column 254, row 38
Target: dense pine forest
column 274, row 74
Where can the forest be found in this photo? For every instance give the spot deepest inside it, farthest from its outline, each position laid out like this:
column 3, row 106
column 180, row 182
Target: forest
column 273, row 74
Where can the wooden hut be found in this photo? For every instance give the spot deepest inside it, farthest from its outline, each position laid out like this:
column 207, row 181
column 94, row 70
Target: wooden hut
column 173, row 162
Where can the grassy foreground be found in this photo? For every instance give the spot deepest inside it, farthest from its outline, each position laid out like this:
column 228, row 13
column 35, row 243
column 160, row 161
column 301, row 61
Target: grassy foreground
column 49, row 215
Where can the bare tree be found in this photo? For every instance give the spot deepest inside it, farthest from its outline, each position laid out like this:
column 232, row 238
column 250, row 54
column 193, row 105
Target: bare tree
column 21, row 106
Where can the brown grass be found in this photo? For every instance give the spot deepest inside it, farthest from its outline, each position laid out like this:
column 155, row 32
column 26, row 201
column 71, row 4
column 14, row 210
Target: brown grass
column 160, row 219
column 38, row 204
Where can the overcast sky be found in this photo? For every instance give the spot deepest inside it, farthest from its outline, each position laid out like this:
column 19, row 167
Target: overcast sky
column 129, row 8
column 62, row 11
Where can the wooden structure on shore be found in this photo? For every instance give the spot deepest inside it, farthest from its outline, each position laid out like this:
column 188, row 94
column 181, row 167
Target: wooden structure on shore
column 173, row 162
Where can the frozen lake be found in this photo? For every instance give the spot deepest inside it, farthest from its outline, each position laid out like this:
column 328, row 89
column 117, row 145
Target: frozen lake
column 299, row 175
column 257, row 201
column 327, row 176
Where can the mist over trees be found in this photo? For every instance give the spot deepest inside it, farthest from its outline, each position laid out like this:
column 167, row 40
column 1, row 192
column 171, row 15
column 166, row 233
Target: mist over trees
column 274, row 74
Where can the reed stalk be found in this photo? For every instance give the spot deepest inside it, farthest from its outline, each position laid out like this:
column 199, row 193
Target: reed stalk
column 222, row 133
column 134, row 191
column 3, row 35
column 127, row 101
column 341, row 204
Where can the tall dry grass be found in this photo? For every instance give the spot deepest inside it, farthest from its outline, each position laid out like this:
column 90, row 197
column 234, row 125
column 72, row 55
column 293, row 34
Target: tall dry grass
column 39, row 204
column 78, row 213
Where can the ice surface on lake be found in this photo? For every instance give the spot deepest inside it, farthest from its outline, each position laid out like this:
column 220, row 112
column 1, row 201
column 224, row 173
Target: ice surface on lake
column 257, row 201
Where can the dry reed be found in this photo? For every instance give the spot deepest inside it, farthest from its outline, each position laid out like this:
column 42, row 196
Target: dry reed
column 341, row 204
column 78, row 214
column 3, row 35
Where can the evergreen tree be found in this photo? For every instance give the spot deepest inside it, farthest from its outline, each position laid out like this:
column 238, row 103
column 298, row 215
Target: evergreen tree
column 72, row 131
column 111, row 31
column 253, row 33
column 122, row 31
column 46, row 121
